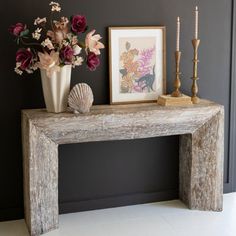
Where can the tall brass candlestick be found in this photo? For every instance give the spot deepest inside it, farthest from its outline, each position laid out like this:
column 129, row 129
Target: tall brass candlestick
column 195, row 99
column 177, row 82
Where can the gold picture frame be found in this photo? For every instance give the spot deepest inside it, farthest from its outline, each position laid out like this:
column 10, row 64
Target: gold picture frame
column 114, row 66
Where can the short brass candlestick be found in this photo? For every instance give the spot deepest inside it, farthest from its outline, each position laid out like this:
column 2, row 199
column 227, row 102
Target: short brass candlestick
column 177, row 82
column 195, row 99
column 176, row 98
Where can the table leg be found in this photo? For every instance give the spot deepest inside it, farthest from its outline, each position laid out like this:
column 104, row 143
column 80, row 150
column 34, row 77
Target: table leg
column 201, row 166
column 40, row 160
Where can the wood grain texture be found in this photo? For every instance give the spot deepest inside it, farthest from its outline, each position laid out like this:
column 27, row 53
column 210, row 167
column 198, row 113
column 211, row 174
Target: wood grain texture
column 40, row 180
column 201, row 166
column 201, row 150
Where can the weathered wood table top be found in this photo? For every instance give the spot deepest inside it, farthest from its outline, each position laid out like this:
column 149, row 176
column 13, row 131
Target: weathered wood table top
column 201, row 130
column 113, row 121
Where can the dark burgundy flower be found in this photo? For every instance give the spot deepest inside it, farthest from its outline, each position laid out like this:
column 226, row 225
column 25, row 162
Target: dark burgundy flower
column 78, row 24
column 25, row 57
column 66, row 54
column 92, row 61
column 17, row 29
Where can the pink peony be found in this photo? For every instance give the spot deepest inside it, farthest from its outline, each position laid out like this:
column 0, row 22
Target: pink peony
column 24, row 57
column 92, row 42
column 17, row 29
column 78, row 24
column 92, row 61
column 66, row 54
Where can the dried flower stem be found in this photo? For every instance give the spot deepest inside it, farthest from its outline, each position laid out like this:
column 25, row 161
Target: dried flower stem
column 51, row 22
column 29, row 44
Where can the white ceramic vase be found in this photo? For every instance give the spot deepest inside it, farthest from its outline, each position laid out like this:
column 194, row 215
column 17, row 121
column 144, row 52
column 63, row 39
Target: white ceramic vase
column 56, row 89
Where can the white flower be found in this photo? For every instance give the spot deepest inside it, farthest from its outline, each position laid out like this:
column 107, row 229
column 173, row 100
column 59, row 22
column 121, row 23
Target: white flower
column 74, row 40
column 55, row 6
column 29, row 71
column 77, row 49
column 36, row 35
column 34, row 66
column 47, row 43
column 77, row 61
column 65, row 42
column 17, row 70
column 39, row 21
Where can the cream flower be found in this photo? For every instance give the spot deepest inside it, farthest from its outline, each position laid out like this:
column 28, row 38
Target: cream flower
column 47, row 43
column 77, row 61
column 17, row 70
column 55, row 6
column 39, row 21
column 74, row 40
column 65, row 43
column 77, row 49
column 37, row 33
column 49, row 62
column 92, row 42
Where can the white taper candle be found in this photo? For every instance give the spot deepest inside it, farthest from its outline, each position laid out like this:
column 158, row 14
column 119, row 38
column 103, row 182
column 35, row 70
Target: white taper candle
column 178, row 34
column 196, row 23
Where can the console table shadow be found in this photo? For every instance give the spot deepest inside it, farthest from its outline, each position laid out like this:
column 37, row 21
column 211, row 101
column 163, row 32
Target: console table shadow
column 201, row 151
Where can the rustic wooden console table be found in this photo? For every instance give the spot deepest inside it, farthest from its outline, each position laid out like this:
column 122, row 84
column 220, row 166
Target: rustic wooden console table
column 200, row 127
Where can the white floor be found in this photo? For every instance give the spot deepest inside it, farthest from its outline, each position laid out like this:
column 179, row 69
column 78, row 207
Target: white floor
column 157, row 219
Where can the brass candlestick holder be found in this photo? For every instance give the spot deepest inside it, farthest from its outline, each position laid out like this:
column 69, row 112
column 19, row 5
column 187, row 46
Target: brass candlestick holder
column 194, row 98
column 176, row 98
column 177, row 82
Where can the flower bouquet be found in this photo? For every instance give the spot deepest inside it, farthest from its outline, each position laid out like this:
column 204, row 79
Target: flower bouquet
column 55, row 47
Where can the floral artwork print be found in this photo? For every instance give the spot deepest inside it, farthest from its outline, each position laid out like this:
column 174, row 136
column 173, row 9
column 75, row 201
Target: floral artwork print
column 137, row 65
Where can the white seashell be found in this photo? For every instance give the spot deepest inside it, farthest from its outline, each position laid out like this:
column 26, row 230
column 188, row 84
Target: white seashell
column 81, row 98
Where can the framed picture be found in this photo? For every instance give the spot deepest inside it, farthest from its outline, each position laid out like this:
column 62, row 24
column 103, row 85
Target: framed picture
column 137, row 58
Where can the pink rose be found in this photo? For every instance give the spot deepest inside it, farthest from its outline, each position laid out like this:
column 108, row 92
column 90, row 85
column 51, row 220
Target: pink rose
column 17, row 29
column 92, row 61
column 24, row 57
column 78, row 24
column 66, row 54
column 92, row 42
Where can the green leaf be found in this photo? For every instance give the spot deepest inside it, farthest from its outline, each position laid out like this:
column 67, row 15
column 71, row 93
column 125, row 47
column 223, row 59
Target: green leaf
column 81, row 44
column 18, row 41
column 86, row 29
column 24, row 33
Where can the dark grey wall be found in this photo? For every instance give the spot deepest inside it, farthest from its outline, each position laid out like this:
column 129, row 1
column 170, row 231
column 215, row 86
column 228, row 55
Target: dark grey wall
column 96, row 175
column 232, row 136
